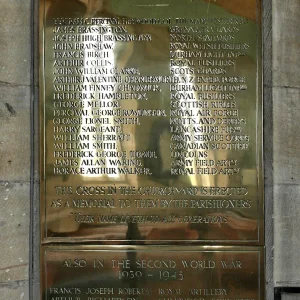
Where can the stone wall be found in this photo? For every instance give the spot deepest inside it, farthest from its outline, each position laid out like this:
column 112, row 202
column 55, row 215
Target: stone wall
column 15, row 144
column 286, row 116
column 282, row 142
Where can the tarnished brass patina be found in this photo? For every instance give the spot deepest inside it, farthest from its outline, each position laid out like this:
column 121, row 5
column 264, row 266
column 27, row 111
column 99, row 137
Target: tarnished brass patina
column 115, row 272
column 151, row 121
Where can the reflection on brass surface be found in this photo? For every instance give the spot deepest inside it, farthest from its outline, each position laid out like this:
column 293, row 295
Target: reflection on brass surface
column 164, row 273
column 151, row 121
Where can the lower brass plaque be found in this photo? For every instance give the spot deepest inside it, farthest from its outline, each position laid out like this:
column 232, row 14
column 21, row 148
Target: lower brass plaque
column 151, row 121
column 158, row 273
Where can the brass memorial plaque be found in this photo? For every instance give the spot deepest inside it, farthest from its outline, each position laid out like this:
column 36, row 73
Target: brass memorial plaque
column 162, row 273
column 151, row 131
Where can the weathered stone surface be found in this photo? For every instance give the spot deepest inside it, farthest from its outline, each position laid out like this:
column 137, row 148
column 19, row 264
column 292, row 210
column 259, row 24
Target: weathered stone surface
column 267, row 42
column 35, row 151
column 15, row 42
column 14, row 231
column 268, row 137
column 268, row 145
column 269, row 236
column 14, row 290
column 286, row 135
column 15, row 132
column 35, row 274
column 15, row 66
column 286, row 43
column 286, row 143
column 287, row 235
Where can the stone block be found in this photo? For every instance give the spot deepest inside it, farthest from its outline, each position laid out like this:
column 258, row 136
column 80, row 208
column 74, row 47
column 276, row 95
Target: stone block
column 15, row 133
column 267, row 42
column 286, row 108
column 15, row 42
column 286, row 43
column 14, row 290
column 14, row 231
column 269, row 239
column 286, row 235
column 268, row 137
